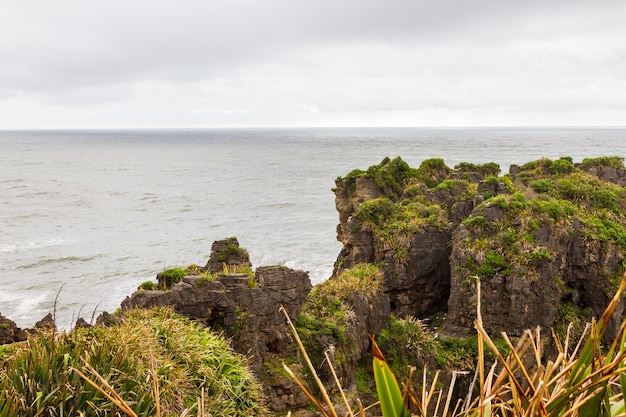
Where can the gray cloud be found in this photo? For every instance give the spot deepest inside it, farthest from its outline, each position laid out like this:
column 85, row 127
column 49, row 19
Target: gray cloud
column 244, row 62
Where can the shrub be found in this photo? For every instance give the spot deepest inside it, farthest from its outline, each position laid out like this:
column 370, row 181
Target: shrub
column 405, row 341
column 562, row 166
column 541, row 186
column 475, row 222
column 39, row 378
column 376, row 211
column 616, row 162
column 171, row 276
column 147, row 286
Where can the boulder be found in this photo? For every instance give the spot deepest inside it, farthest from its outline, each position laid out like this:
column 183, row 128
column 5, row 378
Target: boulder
column 9, row 332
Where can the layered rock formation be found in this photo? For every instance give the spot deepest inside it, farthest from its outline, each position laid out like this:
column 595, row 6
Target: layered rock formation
column 249, row 314
column 9, row 332
column 547, row 240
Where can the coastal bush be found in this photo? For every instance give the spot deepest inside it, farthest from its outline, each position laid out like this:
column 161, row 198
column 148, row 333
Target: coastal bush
column 391, row 175
column 475, row 222
column 616, row 162
column 148, row 348
column 171, row 276
column 453, row 185
column 194, row 269
column 432, row 171
column 489, row 168
column 541, row 186
column 562, row 165
column 147, row 286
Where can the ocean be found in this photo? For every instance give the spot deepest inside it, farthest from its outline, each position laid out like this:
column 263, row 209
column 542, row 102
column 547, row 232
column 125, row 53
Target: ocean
column 88, row 215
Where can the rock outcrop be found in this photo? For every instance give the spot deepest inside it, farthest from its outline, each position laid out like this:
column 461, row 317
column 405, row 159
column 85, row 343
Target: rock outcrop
column 9, row 332
column 547, row 240
column 248, row 313
column 245, row 306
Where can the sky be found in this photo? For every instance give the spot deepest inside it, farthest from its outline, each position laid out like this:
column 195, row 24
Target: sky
column 289, row 63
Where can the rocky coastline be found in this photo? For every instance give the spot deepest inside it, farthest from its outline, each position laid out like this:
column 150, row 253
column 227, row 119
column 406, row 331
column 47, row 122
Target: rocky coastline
column 547, row 241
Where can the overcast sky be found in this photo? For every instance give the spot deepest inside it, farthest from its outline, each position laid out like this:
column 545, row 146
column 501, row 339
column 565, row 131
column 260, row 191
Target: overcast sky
column 265, row 63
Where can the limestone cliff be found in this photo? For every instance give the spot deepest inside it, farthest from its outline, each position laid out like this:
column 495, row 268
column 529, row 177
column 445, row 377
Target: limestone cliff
column 547, row 239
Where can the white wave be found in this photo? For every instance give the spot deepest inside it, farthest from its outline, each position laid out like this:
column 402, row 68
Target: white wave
column 35, row 244
column 317, row 273
column 26, row 306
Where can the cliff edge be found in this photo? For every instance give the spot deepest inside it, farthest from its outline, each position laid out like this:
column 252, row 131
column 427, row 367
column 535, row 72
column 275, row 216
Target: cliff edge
column 547, row 240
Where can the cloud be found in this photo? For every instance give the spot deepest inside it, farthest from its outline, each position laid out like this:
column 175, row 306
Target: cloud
column 322, row 62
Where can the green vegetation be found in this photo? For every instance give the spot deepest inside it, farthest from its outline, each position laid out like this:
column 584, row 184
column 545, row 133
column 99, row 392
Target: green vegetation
column 616, row 162
column 148, row 349
column 572, row 316
column 232, row 249
column 171, row 276
column 514, row 242
column 147, row 286
column 406, row 341
column 327, row 311
column 390, row 175
column 194, row 269
column 490, row 168
column 586, row 381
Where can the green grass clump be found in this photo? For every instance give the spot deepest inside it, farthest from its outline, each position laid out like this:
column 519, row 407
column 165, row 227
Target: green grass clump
column 327, row 312
column 391, row 175
column 148, row 286
column 171, row 276
column 233, row 249
column 489, row 168
column 616, row 162
column 406, row 341
column 40, row 377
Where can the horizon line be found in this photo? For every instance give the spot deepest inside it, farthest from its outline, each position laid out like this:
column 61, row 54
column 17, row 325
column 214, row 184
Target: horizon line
column 17, row 129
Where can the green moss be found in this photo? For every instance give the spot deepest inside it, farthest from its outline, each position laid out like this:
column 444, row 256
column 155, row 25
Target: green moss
column 233, row 249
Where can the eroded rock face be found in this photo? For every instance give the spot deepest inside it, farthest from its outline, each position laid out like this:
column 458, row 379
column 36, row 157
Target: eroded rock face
column 228, row 252
column 250, row 316
column 9, row 332
column 537, row 257
column 247, row 314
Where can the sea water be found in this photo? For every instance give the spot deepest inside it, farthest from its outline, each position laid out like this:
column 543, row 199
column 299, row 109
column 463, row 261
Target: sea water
column 86, row 216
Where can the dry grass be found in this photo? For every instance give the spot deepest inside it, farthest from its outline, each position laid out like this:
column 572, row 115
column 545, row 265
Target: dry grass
column 588, row 381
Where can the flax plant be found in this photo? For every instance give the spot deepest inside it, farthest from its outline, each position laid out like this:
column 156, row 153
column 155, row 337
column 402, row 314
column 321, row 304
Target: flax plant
column 588, row 381
column 153, row 363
